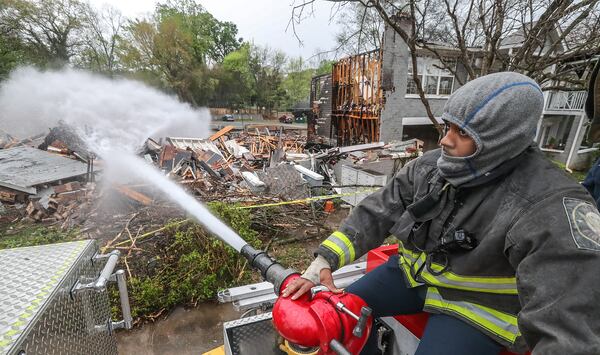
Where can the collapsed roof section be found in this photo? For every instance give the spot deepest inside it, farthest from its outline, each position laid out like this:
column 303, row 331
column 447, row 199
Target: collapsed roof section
column 24, row 169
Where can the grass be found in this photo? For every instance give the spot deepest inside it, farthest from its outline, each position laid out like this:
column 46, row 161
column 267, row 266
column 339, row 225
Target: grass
column 25, row 235
column 187, row 265
column 579, row 176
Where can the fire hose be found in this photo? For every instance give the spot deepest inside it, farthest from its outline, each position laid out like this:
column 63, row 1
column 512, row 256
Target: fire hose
column 317, row 321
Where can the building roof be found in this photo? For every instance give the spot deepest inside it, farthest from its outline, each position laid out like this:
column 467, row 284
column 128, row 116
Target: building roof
column 24, row 168
column 517, row 38
column 514, row 39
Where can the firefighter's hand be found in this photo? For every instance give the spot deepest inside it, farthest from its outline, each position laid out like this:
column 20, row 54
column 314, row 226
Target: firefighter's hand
column 318, row 272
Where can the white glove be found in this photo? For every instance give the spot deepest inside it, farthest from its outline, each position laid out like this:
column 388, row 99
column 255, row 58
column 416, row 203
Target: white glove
column 313, row 271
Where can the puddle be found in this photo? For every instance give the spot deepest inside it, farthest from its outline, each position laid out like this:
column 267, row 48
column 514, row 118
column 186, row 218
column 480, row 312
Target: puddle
column 185, row 331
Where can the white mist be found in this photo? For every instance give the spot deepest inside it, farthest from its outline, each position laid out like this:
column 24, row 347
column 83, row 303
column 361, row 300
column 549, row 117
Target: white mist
column 114, row 117
column 117, row 113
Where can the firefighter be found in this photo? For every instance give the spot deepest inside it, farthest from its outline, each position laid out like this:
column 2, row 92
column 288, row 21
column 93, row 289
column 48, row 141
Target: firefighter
column 498, row 245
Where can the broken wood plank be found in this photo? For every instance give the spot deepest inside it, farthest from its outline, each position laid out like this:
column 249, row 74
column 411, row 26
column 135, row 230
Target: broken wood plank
column 70, row 186
column 134, row 195
column 8, row 196
column 36, row 211
column 70, row 196
column 220, row 133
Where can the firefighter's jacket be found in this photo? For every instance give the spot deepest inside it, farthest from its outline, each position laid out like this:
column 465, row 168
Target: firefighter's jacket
column 532, row 278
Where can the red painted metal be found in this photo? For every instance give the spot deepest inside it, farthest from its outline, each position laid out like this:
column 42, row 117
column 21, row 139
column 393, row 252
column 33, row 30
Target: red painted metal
column 414, row 322
column 315, row 322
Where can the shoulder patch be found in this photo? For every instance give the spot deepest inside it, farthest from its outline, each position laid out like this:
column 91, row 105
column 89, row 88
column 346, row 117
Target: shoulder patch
column 584, row 220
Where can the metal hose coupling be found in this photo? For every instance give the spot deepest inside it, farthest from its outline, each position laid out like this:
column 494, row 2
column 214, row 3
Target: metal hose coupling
column 270, row 270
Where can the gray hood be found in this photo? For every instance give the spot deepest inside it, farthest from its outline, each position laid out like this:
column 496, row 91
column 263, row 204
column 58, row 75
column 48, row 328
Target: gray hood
column 500, row 112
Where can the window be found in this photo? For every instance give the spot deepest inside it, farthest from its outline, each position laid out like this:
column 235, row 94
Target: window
column 555, row 132
column 431, row 85
column 435, row 80
column 446, row 83
column 411, row 86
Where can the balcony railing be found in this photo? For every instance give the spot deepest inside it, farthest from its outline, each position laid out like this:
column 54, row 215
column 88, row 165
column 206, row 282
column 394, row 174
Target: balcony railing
column 566, row 100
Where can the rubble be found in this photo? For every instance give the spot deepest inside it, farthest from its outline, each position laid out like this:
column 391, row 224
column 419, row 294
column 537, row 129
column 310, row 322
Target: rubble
column 134, row 195
column 63, row 140
column 62, row 204
column 6, row 140
column 259, row 165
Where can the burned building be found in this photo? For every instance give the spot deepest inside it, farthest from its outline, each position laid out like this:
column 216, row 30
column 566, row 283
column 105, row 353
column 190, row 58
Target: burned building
column 373, row 97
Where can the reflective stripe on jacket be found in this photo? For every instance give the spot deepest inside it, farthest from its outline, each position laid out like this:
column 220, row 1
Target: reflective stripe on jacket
column 413, row 264
column 489, row 320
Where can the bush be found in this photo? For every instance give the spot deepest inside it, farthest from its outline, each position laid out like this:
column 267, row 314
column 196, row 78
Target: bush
column 189, row 264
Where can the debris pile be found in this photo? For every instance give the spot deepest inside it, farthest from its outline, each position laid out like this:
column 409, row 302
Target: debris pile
column 263, row 162
column 258, row 165
column 8, row 141
column 62, row 204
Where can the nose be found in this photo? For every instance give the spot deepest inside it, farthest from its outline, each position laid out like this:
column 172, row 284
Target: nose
column 446, row 140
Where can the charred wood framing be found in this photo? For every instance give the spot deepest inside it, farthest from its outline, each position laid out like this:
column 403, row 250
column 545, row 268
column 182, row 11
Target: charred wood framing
column 357, row 98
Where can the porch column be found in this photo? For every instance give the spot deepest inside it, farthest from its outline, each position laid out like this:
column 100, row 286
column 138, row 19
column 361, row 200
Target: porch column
column 538, row 130
column 576, row 143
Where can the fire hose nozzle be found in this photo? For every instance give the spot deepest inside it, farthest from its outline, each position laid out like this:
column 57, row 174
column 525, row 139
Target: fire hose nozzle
column 324, row 320
column 270, row 270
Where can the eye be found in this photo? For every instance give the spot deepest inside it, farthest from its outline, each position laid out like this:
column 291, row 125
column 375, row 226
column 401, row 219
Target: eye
column 446, row 127
column 462, row 133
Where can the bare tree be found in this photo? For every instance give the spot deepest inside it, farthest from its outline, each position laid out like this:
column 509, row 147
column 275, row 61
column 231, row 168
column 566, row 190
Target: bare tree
column 103, row 29
column 362, row 30
column 535, row 37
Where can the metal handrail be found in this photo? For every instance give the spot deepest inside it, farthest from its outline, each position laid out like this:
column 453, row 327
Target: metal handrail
column 99, row 285
column 566, row 100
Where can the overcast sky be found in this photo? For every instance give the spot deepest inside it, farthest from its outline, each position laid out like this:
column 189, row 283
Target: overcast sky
column 261, row 21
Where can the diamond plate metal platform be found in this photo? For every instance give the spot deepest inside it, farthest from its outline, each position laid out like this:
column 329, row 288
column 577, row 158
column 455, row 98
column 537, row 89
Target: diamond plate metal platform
column 251, row 335
column 38, row 314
